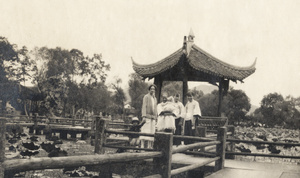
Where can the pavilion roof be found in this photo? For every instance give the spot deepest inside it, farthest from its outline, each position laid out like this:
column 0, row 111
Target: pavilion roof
column 199, row 60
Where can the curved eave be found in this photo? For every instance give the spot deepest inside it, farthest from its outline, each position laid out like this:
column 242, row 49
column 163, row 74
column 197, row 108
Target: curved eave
column 151, row 70
column 203, row 61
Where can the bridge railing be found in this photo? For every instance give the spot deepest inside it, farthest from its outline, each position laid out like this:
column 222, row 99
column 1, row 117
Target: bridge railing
column 161, row 153
column 262, row 143
column 164, row 142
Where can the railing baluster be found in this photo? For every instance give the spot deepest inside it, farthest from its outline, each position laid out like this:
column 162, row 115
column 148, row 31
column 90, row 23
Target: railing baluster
column 219, row 164
column 163, row 142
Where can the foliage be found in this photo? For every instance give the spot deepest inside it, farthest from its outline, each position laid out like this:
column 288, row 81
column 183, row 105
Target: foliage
column 8, row 52
column 137, row 89
column 209, row 104
column 235, row 104
column 276, row 110
column 118, row 98
column 172, row 87
column 68, row 78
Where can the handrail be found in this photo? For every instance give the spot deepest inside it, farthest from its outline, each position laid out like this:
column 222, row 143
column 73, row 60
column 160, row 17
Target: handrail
column 74, row 161
column 192, row 166
column 194, row 145
column 263, row 142
column 263, row 155
column 152, row 135
column 128, row 133
column 127, row 147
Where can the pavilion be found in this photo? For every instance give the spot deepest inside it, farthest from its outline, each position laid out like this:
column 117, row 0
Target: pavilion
column 191, row 63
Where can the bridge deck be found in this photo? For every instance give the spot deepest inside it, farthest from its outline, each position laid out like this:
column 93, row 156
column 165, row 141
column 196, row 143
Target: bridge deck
column 237, row 169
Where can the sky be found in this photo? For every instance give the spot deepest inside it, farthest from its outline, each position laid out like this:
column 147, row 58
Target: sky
column 236, row 32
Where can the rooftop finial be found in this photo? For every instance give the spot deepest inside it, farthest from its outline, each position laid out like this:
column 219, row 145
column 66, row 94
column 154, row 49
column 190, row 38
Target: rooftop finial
column 191, row 35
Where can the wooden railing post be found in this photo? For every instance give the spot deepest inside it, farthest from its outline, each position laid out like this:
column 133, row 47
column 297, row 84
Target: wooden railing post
column 100, row 135
column 36, row 126
column 2, row 145
column 231, row 129
column 219, row 164
column 73, row 122
column 201, row 132
column 163, row 142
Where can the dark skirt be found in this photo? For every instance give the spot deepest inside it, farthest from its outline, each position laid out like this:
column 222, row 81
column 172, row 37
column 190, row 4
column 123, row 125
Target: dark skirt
column 188, row 131
column 177, row 131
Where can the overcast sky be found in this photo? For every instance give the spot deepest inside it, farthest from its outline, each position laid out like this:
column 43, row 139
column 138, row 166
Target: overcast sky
column 234, row 31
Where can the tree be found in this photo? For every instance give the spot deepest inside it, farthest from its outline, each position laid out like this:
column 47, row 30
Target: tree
column 8, row 53
column 60, row 69
column 209, row 104
column 172, row 87
column 137, row 89
column 270, row 109
column 276, row 110
column 236, row 104
column 118, row 97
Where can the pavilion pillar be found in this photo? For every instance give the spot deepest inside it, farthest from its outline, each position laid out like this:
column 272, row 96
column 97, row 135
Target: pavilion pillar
column 220, row 96
column 158, row 82
column 184, row 89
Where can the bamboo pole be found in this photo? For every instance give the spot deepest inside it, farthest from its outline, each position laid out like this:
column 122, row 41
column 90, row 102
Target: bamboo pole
column 221, row 148
column 163, row 142
column 74, row 161
column 194, row 145
column 193, row 166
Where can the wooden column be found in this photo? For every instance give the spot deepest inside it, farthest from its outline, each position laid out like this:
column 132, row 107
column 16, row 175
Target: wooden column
column 163, row 142
column 201, row 132
column 220, row 97
column 231, row 129
column 184, row 89
column 158, row 82
column 219, row 164
column 2, row 145
column 100, row 136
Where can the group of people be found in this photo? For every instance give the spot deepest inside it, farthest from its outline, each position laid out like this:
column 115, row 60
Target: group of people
column 168, row 116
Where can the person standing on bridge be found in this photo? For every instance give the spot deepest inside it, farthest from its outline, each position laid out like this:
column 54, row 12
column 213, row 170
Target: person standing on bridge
column 149, row 114
column 193, row 113
column 179, row 120
column 166, row 114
